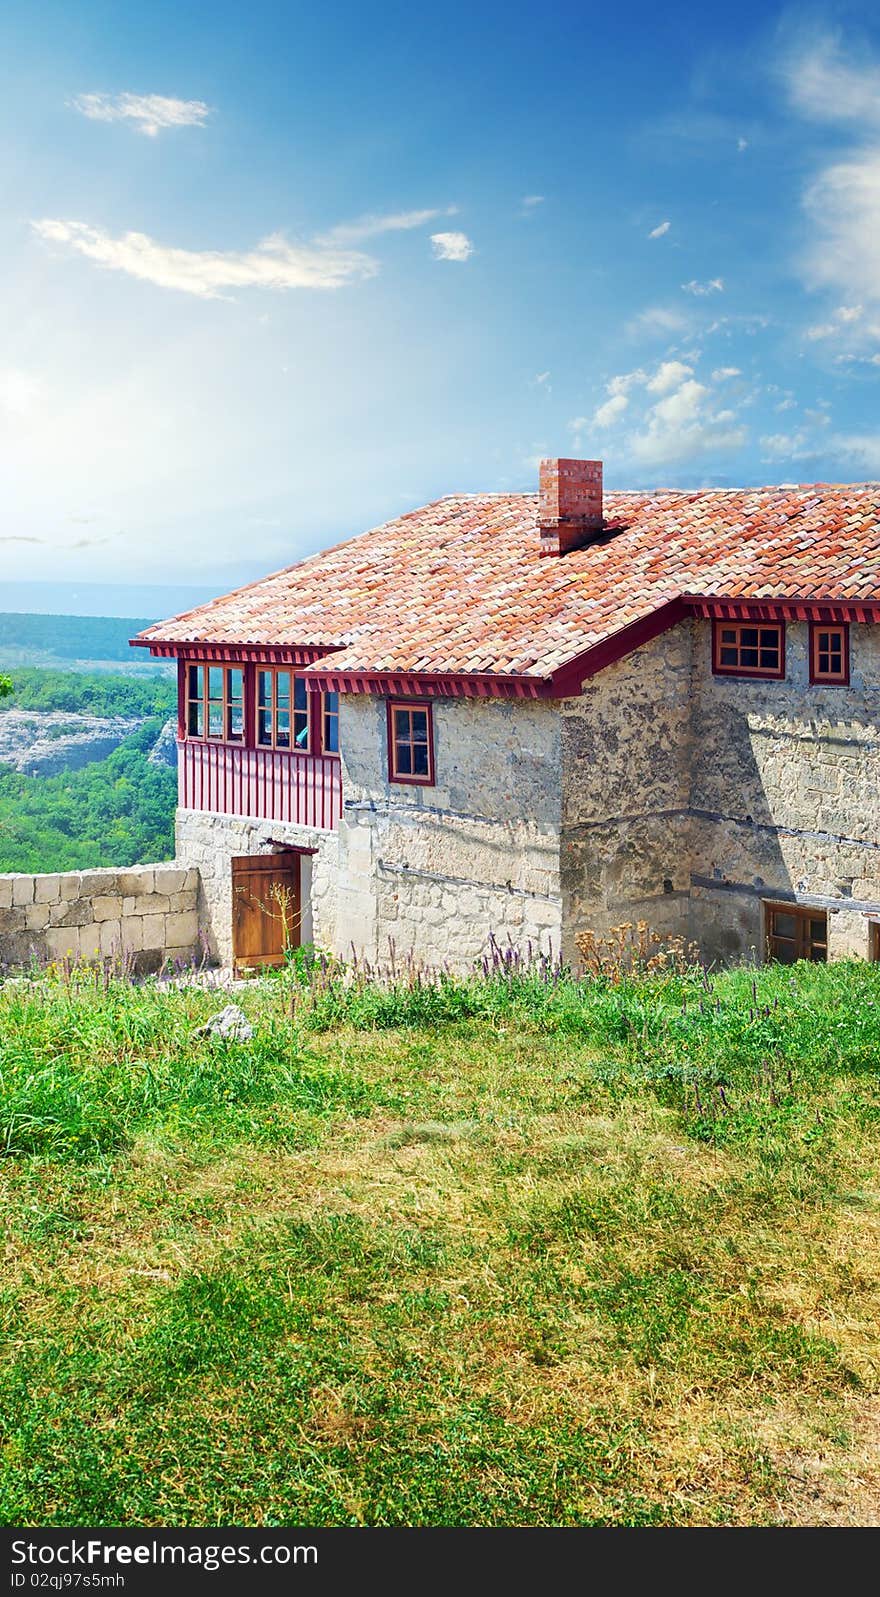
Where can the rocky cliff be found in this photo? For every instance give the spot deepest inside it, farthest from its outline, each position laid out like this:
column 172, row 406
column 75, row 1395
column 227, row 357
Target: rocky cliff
column 44, row 742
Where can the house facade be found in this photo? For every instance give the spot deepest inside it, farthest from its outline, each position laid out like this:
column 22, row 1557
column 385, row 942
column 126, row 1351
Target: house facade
column 531, row 715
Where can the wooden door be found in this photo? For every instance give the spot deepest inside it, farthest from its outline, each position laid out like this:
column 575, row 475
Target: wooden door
column 795, row 932
column 266, row 908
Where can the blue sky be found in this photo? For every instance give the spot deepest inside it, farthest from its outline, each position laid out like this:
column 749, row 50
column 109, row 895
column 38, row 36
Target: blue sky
column 273, row 274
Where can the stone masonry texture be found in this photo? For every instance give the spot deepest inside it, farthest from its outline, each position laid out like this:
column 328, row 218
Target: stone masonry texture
column 659, row 792
column 146, row 913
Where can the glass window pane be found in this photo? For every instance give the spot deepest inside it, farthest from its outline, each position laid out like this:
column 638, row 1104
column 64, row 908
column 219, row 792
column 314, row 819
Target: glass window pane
column 282, row 679
column 300, row 693
column 235, row 685
column 301, row 730
column 401, row 723
column 404, row 759
column 195, row 681
column 748, row 657
column 420, row 759
column 264, row 727
column 264, row 687
column 786, row 953
column 785, row 925
column 728, row 635
column 770, row 659
column 282, row 730
column 729, row 656
column 215, row 720
column 196, row 719
column 215, row 681
column 235, row 723
column 420, row 726
column 331, row 732
column 749, row 637
column 817, row 929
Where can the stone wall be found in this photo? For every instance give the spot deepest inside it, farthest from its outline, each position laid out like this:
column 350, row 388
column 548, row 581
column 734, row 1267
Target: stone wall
column 146, row 912
column 785, row 796
column 439, row 869
column 208, row 842
column 626, row 762
column 690, row 800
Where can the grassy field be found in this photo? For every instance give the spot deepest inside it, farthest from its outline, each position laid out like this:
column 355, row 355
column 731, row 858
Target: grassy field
column 515, row 1251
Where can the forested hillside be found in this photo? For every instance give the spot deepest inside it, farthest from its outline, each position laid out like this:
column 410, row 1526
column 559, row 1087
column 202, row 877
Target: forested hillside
column 25, row 638
column 114, row 811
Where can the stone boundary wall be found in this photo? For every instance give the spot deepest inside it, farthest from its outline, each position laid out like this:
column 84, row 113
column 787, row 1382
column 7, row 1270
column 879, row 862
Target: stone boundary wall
column 145, row 913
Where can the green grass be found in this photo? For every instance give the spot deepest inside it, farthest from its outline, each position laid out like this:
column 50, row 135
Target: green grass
column 509, row 1251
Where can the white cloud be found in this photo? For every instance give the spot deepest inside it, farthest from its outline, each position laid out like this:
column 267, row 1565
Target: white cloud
column 274, row 263
column 452, row 246
column 682, row 426
column 542, row 377
column 657, row 320
column 722, row 373
column 785, row 446
column 618, row 389
column 843, row 204
column 610, row 411
column 677, row 423
column 785, row 404
column 20, row 394
column 742, row 144
column 842, row 201
column 668, row 375
column 148, row 112
column 862, row 448
column 845, row 316
column 826, row 86
column 531, row 200
column 660, row 229
column 365, row 227
column 715, row 285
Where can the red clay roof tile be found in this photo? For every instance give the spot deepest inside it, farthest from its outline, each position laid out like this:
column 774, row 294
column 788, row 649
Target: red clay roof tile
column 460, row 586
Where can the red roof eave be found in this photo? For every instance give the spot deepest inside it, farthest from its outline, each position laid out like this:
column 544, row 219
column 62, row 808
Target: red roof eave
column 565, row 681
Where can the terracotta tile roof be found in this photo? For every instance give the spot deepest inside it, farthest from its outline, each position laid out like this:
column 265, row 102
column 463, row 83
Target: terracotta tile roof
column 459, row 586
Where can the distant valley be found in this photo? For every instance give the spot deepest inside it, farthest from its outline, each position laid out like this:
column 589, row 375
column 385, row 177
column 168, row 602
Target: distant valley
column 87, row 745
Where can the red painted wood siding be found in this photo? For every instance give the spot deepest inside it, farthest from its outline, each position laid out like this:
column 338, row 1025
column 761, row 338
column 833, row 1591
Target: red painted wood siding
column 265, row 783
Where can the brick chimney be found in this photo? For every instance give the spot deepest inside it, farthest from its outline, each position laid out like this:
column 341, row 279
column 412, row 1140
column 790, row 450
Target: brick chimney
column 569, row 504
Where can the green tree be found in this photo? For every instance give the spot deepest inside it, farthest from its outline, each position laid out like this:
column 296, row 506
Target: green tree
column 5, row 686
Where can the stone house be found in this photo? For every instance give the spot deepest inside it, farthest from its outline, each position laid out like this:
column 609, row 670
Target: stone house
column 533, row 714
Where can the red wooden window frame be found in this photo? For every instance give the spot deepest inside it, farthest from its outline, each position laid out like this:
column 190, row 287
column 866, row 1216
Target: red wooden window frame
column 792, row 929
column 282, row 706
column 728, row 635
column 411, row 706
column 321, row 709
column 826, row 641
column 329, row 724
column 202, row 702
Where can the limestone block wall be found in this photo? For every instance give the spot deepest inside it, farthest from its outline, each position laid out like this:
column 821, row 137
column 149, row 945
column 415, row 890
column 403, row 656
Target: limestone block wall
column 440, row 869
column 208, row 842
column 785, row 796
column 626, row 773
column 147, row 912
column 690, row 800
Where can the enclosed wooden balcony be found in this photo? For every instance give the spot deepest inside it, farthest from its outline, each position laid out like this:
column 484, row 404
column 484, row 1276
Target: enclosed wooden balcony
column 269, row 784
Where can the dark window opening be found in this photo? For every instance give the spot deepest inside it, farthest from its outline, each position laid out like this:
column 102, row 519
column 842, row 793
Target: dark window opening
column 794, row 933
column 829, row 654
column 748, row 650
